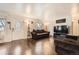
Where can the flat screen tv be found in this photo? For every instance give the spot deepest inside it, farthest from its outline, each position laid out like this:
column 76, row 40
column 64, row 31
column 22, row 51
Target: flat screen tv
column 57, row 29
column 61, row 29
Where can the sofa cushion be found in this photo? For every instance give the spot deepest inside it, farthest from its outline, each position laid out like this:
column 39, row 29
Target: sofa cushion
column 38, row 31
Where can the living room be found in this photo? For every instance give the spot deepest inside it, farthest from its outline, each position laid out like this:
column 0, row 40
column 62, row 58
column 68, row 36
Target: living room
column 31, row 28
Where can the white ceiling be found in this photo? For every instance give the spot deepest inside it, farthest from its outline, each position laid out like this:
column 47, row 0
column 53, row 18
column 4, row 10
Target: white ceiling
column 38, row 10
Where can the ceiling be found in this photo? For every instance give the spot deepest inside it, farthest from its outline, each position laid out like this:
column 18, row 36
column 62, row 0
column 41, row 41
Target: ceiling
column 38, row 10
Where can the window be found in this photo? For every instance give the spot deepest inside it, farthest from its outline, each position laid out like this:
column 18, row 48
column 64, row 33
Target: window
column 18, row 25
column 2, row 24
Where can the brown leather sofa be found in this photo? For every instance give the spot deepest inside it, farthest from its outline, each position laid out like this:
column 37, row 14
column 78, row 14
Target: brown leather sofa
column 39, row 34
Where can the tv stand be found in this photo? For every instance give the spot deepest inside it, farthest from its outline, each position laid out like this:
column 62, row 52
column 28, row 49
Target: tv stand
column 73, row 37
column 66, row 47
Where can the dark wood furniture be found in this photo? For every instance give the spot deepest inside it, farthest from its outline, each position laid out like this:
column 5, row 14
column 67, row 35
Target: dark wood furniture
column 39, row 34
column 66, row 46
column 73, row 37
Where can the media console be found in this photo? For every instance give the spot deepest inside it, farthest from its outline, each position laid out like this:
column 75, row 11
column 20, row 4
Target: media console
column 67, row 46
column 73, row 37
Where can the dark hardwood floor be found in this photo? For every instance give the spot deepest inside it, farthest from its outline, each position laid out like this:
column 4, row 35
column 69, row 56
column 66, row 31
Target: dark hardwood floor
column 28, row 47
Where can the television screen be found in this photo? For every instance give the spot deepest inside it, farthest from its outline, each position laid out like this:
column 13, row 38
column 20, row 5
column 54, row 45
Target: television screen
column 64, row 29
column 57, row 29
column 54, row 28
column 61, row 29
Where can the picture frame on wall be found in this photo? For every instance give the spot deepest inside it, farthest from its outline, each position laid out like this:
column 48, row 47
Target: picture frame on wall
column 61, row 20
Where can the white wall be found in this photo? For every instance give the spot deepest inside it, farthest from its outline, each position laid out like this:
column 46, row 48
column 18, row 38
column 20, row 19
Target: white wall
column 18, row 28
column 47, row 13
